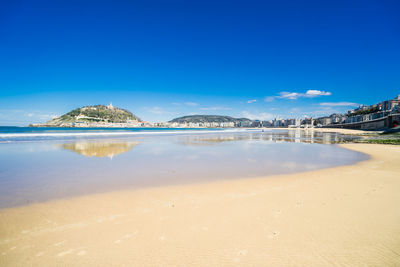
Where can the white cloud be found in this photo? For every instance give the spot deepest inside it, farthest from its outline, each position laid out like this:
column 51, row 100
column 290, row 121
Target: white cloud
column 48, row 116
column 257, row 116
column 288, row 95
column 251, row 101
column 338, row 104
column 309, row 94
column 192, row 104
column 215, row 108
column 294, row 95
column 315, row 93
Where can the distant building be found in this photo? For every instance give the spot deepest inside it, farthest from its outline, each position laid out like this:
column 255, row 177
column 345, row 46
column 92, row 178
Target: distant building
column 326, row 121
column 244, row 123
column 307, row 123
column 256, row 123
column 336, row 118
column 293, row 122
column 389, row 105
column 266, row 123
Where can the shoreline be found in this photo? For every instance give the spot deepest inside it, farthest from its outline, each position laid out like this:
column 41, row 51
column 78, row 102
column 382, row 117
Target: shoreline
column 343, row 215
column 335, row 130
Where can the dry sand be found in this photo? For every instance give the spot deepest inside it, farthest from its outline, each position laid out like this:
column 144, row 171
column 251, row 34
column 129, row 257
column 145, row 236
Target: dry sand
column 345, row 216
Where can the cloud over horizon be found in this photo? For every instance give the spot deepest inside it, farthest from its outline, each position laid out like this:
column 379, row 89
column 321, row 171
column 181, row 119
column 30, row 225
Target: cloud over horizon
column 192, row 104
column 308, row 94
column 339, row 104
column 257, row 116
column 295, row 95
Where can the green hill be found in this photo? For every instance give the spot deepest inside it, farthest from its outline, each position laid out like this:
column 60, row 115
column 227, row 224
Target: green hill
column 97, row 113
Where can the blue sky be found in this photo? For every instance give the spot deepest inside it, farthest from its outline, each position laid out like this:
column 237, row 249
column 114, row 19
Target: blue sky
column 163, row 59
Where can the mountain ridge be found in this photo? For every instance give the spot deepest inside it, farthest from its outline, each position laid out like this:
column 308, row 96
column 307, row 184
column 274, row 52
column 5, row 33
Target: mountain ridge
column 207, row 118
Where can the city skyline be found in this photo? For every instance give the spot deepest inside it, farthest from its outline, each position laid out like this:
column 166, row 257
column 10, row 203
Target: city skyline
column 260, row 60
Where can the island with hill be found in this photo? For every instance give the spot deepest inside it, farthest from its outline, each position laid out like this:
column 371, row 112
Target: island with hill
column 95, row 116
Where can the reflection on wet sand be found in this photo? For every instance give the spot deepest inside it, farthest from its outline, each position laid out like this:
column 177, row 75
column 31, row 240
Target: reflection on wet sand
column 100, row 149
column 198, row 140
column 41, row 171
column 296, row 136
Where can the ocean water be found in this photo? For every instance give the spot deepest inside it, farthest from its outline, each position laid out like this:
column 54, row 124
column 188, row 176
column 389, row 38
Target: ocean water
column 42, row 164
column 53, row 133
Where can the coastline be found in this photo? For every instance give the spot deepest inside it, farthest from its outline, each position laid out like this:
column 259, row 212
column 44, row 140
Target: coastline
column 334, row 130
column 344, row 215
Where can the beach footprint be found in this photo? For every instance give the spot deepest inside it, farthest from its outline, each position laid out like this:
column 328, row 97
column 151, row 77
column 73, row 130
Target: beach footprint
column 274, row 234
column 242, row 252
column 70, row 251
column 65, row 252
column 125, row 237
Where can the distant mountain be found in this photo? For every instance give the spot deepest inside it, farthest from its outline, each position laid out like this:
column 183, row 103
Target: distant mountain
column 207, row 118
column 97, row 113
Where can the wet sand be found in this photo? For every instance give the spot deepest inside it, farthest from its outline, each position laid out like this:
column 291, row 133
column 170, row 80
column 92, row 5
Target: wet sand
column 345, row 215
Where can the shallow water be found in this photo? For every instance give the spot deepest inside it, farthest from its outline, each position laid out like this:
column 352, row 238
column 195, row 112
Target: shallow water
column 35, row 169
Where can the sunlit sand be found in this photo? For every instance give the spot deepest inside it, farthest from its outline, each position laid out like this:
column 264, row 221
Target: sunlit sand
column 344, row 215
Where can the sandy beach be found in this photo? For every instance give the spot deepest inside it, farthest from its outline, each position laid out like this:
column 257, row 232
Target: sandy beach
column 345, row 216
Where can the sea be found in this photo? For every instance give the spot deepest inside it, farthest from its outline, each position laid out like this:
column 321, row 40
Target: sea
column 45, row 164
